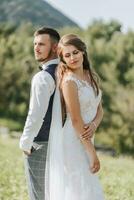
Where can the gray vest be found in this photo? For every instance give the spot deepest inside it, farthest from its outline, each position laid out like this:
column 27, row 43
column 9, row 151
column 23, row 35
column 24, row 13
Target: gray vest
column 43, row 134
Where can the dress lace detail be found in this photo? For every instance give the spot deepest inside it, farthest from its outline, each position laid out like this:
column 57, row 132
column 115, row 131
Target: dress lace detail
column 88, row 100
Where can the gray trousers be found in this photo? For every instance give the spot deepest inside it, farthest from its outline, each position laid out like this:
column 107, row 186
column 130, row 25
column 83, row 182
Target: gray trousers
column 35, row 172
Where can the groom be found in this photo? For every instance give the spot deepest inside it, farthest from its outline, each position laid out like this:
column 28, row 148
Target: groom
column 34, row 139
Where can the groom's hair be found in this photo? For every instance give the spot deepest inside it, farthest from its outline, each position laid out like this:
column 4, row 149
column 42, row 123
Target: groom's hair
column 54, row 35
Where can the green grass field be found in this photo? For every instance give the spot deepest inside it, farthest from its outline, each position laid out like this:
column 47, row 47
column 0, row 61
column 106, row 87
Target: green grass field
column 116, row 174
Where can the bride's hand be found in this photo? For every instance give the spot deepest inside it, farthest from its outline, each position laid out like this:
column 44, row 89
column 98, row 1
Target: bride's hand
column 89, row 130
column 95, row 163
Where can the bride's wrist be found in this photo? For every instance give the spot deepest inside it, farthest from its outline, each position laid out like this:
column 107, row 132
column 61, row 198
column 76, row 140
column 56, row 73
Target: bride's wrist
column 94, row 124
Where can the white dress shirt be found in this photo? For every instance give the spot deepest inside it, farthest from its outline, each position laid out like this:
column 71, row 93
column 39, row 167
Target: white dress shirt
column 42, row 87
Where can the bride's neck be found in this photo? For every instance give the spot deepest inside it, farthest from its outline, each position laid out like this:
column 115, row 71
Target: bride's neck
column 79, row 73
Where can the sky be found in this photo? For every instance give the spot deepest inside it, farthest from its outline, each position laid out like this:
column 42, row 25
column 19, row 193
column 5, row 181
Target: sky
column 84, row 11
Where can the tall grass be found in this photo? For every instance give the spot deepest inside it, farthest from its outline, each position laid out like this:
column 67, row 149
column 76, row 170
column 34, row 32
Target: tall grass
column 116, row 174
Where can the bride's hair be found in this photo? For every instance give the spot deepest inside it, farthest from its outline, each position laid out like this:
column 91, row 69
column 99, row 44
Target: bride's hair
column 74, row 40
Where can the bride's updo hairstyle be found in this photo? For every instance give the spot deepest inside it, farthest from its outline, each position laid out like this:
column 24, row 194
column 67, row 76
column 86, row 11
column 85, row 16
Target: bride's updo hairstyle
column 74, row 40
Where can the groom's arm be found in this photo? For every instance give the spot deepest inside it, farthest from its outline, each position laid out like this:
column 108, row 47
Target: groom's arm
column 41, row 90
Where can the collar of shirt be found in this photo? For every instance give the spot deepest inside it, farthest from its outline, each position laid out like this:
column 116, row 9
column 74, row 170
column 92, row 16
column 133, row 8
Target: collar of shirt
column 50, row 62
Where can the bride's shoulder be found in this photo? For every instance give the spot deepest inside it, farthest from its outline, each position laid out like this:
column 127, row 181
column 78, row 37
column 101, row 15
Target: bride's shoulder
column 69, row 79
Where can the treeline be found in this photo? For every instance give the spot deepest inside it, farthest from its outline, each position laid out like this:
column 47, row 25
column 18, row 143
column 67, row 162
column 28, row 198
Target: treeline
column 111, row 54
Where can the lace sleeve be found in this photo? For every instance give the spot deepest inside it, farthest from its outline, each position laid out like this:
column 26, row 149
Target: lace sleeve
column 72, row 78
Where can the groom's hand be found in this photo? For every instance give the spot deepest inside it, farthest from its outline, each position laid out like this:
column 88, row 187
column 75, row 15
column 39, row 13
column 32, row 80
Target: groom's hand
column 27, row 153
column 89, row 131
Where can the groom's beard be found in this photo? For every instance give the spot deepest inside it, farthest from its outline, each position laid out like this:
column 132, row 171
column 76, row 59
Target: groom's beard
column 49, row 56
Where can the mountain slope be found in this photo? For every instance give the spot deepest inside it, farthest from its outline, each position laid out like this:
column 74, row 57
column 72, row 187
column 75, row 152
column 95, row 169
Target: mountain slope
column 38, row 12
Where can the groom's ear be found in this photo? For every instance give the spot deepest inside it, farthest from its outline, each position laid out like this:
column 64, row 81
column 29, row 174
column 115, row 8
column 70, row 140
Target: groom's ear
column 54, row 47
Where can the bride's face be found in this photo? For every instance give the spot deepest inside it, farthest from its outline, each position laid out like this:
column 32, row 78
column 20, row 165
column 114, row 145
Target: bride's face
column 72, row 57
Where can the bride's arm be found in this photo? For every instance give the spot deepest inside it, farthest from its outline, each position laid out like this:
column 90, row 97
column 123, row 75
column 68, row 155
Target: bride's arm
column 91, row 127
column 70, row 94
column 99, row 115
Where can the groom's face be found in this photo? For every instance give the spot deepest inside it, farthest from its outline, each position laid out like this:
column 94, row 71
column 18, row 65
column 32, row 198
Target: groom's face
column 43, row 48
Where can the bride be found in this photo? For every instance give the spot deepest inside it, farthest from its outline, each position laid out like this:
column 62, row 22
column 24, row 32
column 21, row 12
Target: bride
column 71, row 160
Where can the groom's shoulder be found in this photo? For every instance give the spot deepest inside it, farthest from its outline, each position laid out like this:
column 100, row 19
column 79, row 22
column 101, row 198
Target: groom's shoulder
column 42, row 76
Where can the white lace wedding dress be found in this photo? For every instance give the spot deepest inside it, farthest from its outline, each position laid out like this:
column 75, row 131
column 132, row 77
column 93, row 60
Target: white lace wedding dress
column 69, row 177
